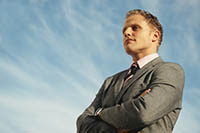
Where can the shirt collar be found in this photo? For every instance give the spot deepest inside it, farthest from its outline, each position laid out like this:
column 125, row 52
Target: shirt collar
column 143, row 61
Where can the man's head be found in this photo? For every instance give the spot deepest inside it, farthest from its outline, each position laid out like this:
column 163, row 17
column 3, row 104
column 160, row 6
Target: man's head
column 142, row 33
column 151, row 19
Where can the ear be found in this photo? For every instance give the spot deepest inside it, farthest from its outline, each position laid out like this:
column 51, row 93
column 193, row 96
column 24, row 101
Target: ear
column 156, row 36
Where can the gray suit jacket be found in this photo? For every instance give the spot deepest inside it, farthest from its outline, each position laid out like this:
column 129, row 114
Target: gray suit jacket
column 125, row 107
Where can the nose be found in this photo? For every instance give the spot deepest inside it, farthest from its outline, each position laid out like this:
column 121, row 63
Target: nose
column 128, row 32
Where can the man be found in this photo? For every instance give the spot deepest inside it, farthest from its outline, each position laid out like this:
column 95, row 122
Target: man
column 146, row 98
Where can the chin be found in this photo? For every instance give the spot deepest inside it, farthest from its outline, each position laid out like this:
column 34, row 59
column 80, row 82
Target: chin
column 129, row 52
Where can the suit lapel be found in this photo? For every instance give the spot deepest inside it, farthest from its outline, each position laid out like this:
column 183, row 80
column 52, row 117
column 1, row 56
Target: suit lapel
column 119, row 84
column 138, row 74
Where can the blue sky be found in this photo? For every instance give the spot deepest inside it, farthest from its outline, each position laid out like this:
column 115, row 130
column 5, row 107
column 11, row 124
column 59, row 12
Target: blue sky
column 55, row 54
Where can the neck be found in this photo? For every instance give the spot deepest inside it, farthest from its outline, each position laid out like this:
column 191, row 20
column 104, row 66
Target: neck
column 144, row 52
column 139, row 56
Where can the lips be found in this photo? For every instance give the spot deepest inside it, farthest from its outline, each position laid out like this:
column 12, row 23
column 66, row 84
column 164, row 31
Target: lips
column 128, row 40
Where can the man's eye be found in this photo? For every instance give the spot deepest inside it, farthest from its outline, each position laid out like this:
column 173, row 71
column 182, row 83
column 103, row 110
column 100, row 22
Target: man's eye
column 134, row 28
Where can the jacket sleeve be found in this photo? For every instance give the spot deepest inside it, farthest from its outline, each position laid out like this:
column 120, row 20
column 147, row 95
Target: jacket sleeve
column 87, row 122
column 166, row 95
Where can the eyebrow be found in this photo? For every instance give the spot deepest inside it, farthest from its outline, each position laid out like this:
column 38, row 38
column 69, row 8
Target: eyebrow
column 130, row 25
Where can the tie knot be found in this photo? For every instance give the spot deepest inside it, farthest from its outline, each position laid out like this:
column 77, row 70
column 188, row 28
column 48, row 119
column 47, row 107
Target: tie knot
column 132, row 70
column 134, row 67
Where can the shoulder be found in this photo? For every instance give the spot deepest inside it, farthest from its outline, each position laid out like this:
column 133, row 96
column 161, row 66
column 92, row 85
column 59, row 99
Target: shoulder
column 169, row 71
column 169, row 66
column 115, row 76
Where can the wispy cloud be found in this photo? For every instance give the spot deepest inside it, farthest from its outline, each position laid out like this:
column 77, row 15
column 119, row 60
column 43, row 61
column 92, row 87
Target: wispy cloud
column 152, row 6
column 189, row 118
column 186, row 22
column 65, row 51
column 0, row 39
column 37, row 115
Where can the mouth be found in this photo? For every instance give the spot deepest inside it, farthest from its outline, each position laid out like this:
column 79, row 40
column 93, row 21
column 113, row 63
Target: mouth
column 129, row 40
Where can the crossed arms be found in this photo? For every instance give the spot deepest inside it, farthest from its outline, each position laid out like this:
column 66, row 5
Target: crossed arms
column 166, row 92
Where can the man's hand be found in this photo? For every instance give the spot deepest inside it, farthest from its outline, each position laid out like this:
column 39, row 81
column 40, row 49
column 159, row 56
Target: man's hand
column 123, row 130
column 146, row 92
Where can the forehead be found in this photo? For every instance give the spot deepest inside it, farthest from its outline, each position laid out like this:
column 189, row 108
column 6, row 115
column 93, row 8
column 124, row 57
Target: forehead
column 135, row 19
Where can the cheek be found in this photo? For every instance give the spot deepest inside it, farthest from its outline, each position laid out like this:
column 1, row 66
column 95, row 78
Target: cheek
column 142, row 38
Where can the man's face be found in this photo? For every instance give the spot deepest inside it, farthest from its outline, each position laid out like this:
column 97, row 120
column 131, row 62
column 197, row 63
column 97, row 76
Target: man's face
column 138, row 36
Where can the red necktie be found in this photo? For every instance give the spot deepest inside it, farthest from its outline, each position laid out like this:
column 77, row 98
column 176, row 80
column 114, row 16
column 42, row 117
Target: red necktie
column 131, row 72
